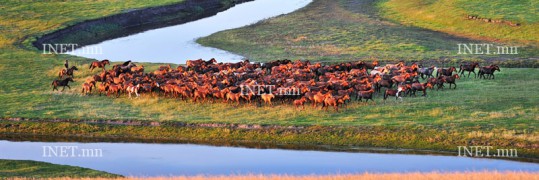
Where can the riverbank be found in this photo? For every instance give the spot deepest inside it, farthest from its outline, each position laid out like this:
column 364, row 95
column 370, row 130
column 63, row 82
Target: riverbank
column 133, row 21
column 348, row 30
column 34, row 169
column 366, row 176
column 420, row 140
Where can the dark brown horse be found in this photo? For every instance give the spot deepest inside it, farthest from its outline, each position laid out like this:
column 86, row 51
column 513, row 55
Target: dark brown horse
column 63, row 83
column 450, row 80
column 446, row 72
column 99, row 64
column 468, row 67
column 420, row 87
column 68, row 72
column 488, row 70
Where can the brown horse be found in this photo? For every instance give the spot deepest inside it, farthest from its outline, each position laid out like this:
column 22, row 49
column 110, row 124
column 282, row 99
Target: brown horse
column 87, row 88
column 470, row 68
column 446, row 72
column 99, row 64
column 300, row 102
column 450, row 80
column 63, row 83
column 267, row 98
column 420, row 87
column 488, row 70
column 366, row 95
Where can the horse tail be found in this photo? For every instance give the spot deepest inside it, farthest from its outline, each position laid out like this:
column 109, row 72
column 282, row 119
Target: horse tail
column 91, row 65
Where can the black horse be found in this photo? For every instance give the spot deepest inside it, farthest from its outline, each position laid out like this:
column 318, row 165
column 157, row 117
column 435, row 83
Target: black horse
column 63, row 83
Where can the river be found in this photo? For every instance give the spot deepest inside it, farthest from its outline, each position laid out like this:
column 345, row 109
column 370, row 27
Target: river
column 176, row 44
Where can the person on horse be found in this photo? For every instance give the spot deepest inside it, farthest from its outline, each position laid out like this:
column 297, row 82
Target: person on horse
column 66, row 65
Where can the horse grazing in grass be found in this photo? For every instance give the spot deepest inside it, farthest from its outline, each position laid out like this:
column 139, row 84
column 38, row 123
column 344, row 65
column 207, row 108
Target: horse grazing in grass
column 468, row 67
column 63, row 83
column 446, row 72
column 99, row 64
column 488, row 70
column 67, row 72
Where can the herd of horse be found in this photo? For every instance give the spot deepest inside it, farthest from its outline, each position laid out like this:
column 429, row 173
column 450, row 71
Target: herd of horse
column 245, row 82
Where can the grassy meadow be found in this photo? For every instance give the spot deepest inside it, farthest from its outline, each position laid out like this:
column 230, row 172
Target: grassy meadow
column 348, row 30
column 34, row 169
column 449, row 16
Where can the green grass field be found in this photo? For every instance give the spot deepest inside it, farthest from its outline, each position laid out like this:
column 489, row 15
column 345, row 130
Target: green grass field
column 348, row 30
column 35, row 169
column 503, row 109
column 449, row 16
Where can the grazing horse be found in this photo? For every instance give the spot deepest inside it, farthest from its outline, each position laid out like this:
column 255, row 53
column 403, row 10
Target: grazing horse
column 470, row 68
column 446, row 72
column 488, row 70
column 450, row 80
column 63, row 83
column 99, row 64
column 68, row 72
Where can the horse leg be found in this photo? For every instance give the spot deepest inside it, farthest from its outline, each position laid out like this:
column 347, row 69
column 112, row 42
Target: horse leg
column 455, row 85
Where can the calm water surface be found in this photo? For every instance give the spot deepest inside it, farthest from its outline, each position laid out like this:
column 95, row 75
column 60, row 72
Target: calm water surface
column 139, row 159
column 176, row 44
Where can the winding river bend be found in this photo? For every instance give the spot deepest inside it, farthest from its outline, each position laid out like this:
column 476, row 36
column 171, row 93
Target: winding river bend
column 139, row 159
column 176, row 44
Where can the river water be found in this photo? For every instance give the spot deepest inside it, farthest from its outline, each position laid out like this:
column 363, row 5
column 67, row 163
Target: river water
column 176, row 44
column 145, row 159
